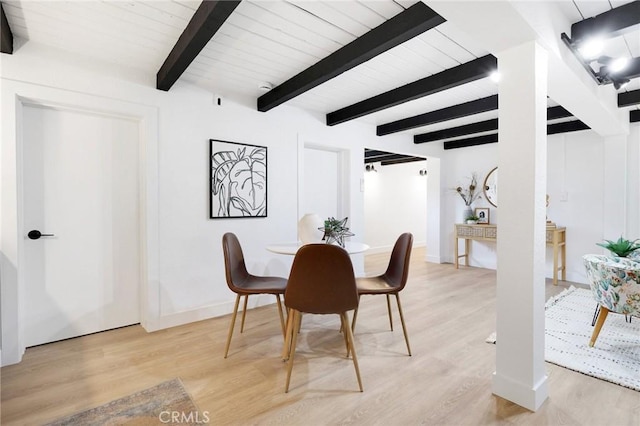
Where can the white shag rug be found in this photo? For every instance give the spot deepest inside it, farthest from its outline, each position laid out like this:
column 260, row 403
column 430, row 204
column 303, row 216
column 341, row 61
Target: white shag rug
column 616, row 354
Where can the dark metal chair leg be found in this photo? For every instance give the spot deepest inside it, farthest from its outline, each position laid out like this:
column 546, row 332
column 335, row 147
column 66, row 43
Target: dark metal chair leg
column 595, row 315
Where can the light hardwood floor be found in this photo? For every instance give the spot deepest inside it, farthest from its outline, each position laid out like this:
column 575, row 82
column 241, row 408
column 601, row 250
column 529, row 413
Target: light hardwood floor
column 447, row 381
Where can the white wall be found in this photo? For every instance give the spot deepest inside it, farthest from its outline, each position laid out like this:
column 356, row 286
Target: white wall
column 577, row 191
column 190, row 275
column 189, row 283
column 395, row 201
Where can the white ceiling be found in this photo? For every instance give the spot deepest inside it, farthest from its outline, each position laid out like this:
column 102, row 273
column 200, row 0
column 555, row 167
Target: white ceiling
column 271, row 41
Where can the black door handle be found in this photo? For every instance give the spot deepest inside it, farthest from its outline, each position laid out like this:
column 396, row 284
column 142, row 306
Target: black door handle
column 35, row 234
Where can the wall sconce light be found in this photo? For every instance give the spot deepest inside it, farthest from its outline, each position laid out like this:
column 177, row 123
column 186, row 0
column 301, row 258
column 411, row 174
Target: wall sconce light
column 370, row 168
column 423, row 172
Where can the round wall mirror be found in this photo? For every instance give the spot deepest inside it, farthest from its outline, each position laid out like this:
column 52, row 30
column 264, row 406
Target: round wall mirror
column 490, row 187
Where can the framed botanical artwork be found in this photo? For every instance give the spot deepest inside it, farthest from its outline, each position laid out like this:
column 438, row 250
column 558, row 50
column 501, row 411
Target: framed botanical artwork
column 238, row 180
column 483, row 215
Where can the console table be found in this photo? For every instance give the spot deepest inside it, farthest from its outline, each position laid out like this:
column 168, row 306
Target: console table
column 556, row 237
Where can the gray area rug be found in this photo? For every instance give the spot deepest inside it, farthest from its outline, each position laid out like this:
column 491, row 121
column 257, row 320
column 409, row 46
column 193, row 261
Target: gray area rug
column 616, row 354
column 166, row 403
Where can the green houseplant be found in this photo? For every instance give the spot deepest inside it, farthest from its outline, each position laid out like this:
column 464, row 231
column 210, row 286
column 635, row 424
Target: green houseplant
column 622, row 247
column 472, row 219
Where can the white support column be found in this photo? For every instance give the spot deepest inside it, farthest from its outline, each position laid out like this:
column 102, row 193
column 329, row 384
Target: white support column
column 522, row 157
column 633, row 183
column 614, row 198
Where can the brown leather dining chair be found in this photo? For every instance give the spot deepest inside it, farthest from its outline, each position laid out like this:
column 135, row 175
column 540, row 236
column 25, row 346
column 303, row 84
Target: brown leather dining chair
column 241, row 282
column 391, row 282
column 321, row 282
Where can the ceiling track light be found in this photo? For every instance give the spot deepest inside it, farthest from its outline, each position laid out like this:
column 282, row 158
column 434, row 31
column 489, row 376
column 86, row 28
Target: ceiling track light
column 618, row 64
column 610, row 68
column 370, row 168
column 612, row 65
column 579, row 56
column 423, row 172
column 607, row 75
column 620, row 83
column 591, row 48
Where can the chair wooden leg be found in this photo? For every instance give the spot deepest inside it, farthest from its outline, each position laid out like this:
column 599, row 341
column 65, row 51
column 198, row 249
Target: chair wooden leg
column 244, row 312
column 350, row 344
column 344, row 324
column 601, row 317
column 389, row 311
column 281, row 315
column 355, row 315
column 404, row 326
column 296, row 323
column 286, row 348
column 233, row 322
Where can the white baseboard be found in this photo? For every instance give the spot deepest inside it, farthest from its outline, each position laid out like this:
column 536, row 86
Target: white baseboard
column 388, row 249
column 529, row 397
column 204, row 312
column 379, row 249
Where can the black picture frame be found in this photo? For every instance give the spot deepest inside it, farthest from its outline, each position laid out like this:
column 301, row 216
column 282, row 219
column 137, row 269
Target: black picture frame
column 237, row 180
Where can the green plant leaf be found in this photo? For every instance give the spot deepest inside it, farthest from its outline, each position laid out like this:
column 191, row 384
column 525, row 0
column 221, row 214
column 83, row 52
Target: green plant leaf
column 622, row 247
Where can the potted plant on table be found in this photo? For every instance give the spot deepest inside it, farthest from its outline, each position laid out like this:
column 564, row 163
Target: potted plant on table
column 622, row 247
column 472, row 220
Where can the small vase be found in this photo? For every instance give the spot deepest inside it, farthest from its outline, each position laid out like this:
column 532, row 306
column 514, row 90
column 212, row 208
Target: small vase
column 308, row 231
column 467, row 212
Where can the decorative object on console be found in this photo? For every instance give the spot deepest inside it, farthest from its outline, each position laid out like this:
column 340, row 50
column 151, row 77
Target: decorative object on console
column 472, row 220
column 335, row 231
column 469, row 193
column 238, row 180
column 490, row 187
column 622, row 247
column 466, row 213
column 483, row 215
column 550, row 224
column 309, row 228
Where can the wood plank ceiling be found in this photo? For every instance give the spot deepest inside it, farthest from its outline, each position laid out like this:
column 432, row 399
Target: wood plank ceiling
column 266, row 43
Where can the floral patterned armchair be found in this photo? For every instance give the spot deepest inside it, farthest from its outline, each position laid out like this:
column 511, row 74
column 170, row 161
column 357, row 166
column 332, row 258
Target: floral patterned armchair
column 615, row 283
column 634, row 255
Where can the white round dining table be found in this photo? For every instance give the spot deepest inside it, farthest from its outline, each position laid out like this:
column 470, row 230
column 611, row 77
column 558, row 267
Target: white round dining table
column 291, row 248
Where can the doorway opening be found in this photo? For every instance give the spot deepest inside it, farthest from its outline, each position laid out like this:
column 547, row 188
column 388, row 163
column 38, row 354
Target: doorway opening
column 395, row 198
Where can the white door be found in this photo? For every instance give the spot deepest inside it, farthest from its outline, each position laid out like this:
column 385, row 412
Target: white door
column 80, row 180
column 322, row 183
